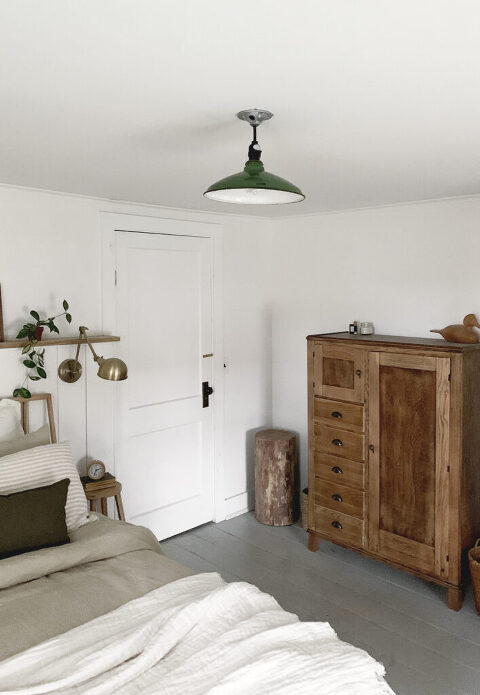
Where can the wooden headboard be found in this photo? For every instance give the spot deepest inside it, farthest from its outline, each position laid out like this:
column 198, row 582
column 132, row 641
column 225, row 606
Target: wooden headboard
column 47, row 397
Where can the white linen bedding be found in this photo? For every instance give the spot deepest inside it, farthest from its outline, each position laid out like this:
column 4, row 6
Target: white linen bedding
column 194, row 636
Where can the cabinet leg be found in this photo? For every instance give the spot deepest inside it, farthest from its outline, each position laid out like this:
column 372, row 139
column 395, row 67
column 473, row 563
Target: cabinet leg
column 312, row 542
column 103, row 503
column 455, row 598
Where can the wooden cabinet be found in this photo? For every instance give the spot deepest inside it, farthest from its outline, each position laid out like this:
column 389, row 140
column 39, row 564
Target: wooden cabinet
column 394, row 450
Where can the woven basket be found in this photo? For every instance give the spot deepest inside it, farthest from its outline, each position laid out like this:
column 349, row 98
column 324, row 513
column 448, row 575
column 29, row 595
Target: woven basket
column 305, row 508
column 474, row 561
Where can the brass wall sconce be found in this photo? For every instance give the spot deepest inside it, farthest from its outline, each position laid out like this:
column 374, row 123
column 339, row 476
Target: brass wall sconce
column 112, row 368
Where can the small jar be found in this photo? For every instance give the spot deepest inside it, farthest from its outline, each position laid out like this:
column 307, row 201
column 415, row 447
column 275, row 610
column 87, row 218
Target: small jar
column 366, row 328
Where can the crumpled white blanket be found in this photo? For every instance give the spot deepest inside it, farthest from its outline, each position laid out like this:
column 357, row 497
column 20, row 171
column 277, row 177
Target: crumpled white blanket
column 195, row 636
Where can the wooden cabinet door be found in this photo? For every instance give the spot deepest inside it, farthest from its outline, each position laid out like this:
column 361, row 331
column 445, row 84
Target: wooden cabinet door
column 409, row 404
column 338, row 372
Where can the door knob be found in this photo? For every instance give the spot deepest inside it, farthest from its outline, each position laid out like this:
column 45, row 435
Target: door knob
column 337, row 442
column 337, row 498
column 337, row 470
column 337, row 524
column 206, row 393
column 358, row 372
column 336, row 414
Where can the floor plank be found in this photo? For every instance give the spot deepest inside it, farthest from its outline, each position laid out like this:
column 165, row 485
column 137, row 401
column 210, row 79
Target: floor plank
column 400, row 620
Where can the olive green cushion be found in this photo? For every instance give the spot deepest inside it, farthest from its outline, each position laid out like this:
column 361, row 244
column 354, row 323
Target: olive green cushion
column 33, row 519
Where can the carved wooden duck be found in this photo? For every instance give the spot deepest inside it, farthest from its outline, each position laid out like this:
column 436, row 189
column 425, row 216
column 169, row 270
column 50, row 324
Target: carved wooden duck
column 458, row 333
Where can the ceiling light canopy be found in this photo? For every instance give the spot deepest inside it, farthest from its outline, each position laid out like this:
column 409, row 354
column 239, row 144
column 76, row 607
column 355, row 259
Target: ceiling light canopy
column 254, row 185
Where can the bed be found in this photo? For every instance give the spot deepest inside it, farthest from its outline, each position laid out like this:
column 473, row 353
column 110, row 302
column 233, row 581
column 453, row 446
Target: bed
column 105, row 611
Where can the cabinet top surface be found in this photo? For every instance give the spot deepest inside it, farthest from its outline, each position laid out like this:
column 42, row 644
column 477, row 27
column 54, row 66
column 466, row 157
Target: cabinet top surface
column 400, row 340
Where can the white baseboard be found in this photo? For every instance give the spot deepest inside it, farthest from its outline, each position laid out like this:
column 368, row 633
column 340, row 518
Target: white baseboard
column 239, row 504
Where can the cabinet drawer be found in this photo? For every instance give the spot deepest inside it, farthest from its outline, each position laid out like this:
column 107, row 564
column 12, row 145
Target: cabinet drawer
column 336, row 470
column 337, row 413
column 339, row 498
column 339, row 527
column 339, row 442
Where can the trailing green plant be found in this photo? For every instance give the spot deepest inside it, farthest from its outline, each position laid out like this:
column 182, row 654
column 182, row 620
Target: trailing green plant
column 35, row 359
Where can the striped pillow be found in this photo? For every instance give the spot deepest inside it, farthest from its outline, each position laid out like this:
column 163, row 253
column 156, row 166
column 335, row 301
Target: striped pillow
column 45, row 465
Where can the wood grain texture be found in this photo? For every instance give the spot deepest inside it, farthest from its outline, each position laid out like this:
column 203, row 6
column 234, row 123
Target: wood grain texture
column 346, row 415
column 11, row 344
column 373, row 452
column 334, row 469
column 339, row 442
column 442, row 471
column 340, row 498
column 407, row 452
column 339, row 526
column 338, row 372
column 47, row 397
column 275, row 475
column 391, row 342
column 422, row 474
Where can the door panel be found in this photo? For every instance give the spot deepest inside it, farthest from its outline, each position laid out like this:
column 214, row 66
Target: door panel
column 409, row 416
column 407, row 405
column 338, row 372
column 164, row 304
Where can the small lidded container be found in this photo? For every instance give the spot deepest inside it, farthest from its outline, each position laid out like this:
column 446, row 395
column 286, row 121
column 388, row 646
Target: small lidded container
column 366, row 328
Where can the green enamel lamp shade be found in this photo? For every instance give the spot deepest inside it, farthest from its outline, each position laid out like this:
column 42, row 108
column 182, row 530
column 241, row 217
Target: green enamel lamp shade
column 254, row 186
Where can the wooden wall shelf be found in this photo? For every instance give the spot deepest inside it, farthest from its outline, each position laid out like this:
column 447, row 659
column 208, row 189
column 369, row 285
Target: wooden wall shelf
column 60, row 341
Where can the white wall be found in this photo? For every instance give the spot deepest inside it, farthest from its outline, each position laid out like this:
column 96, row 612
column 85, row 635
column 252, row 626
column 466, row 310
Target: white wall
column 407, row 268
column 50, row 248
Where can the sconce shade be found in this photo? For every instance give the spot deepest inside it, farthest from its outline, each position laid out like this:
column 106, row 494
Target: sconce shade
column 112, row 369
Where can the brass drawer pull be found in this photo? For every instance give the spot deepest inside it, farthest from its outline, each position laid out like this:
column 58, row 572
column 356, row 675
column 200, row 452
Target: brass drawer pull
column 337, row 442
column 337, row 470
column 336, row 414
column 337, row 498
column 337, row 524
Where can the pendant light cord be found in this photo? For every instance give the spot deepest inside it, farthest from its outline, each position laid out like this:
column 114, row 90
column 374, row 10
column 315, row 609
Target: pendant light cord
column 254, row 151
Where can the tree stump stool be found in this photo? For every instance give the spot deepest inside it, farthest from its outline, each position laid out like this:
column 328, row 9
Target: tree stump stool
column 275, row 477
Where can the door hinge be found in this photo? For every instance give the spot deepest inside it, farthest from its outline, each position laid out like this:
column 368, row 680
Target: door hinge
column 449, row 377
column 448, row 469
column 115, row 278
column 447, row 558
column 314, row 353
column 313, row 384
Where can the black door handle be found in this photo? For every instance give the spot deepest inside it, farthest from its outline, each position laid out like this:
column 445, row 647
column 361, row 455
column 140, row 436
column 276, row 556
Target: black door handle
column 206, row 393
column 337, row 442
column 336, row 414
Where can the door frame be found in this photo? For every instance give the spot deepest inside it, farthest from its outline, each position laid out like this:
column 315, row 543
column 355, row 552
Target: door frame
column 110, row 224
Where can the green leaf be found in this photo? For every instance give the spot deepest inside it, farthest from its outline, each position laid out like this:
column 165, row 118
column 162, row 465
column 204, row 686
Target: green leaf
column 26, row 349
column 29, row 363
column 24, row 393
column 41, row 372
column 16, row 393
column 22, row 333
column 32, row 354
column 34, row 378
column 65, row 304
column 35, row 315
column 69, row 318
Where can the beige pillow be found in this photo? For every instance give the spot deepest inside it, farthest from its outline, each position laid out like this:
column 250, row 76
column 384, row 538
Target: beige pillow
column 38, row 438
column 42, row 466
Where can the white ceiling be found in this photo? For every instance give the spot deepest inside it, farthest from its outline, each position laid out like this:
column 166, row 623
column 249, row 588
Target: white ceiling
column 375, row 101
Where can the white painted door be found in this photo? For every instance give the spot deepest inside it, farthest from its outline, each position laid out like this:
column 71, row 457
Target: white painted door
column 164, row 314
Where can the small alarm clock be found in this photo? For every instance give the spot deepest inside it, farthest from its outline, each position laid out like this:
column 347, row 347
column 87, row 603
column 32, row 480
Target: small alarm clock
column 96, row 470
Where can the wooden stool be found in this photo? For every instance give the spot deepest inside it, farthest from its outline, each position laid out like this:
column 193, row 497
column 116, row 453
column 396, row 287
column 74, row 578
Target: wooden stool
column 102, row 495
column 275, row 477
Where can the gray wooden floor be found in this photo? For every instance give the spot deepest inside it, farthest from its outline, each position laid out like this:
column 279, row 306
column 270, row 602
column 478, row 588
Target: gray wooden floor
column 402, row 621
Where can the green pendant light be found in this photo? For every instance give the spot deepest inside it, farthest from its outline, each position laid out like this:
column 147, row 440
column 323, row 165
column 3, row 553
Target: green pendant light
column 254, row 185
